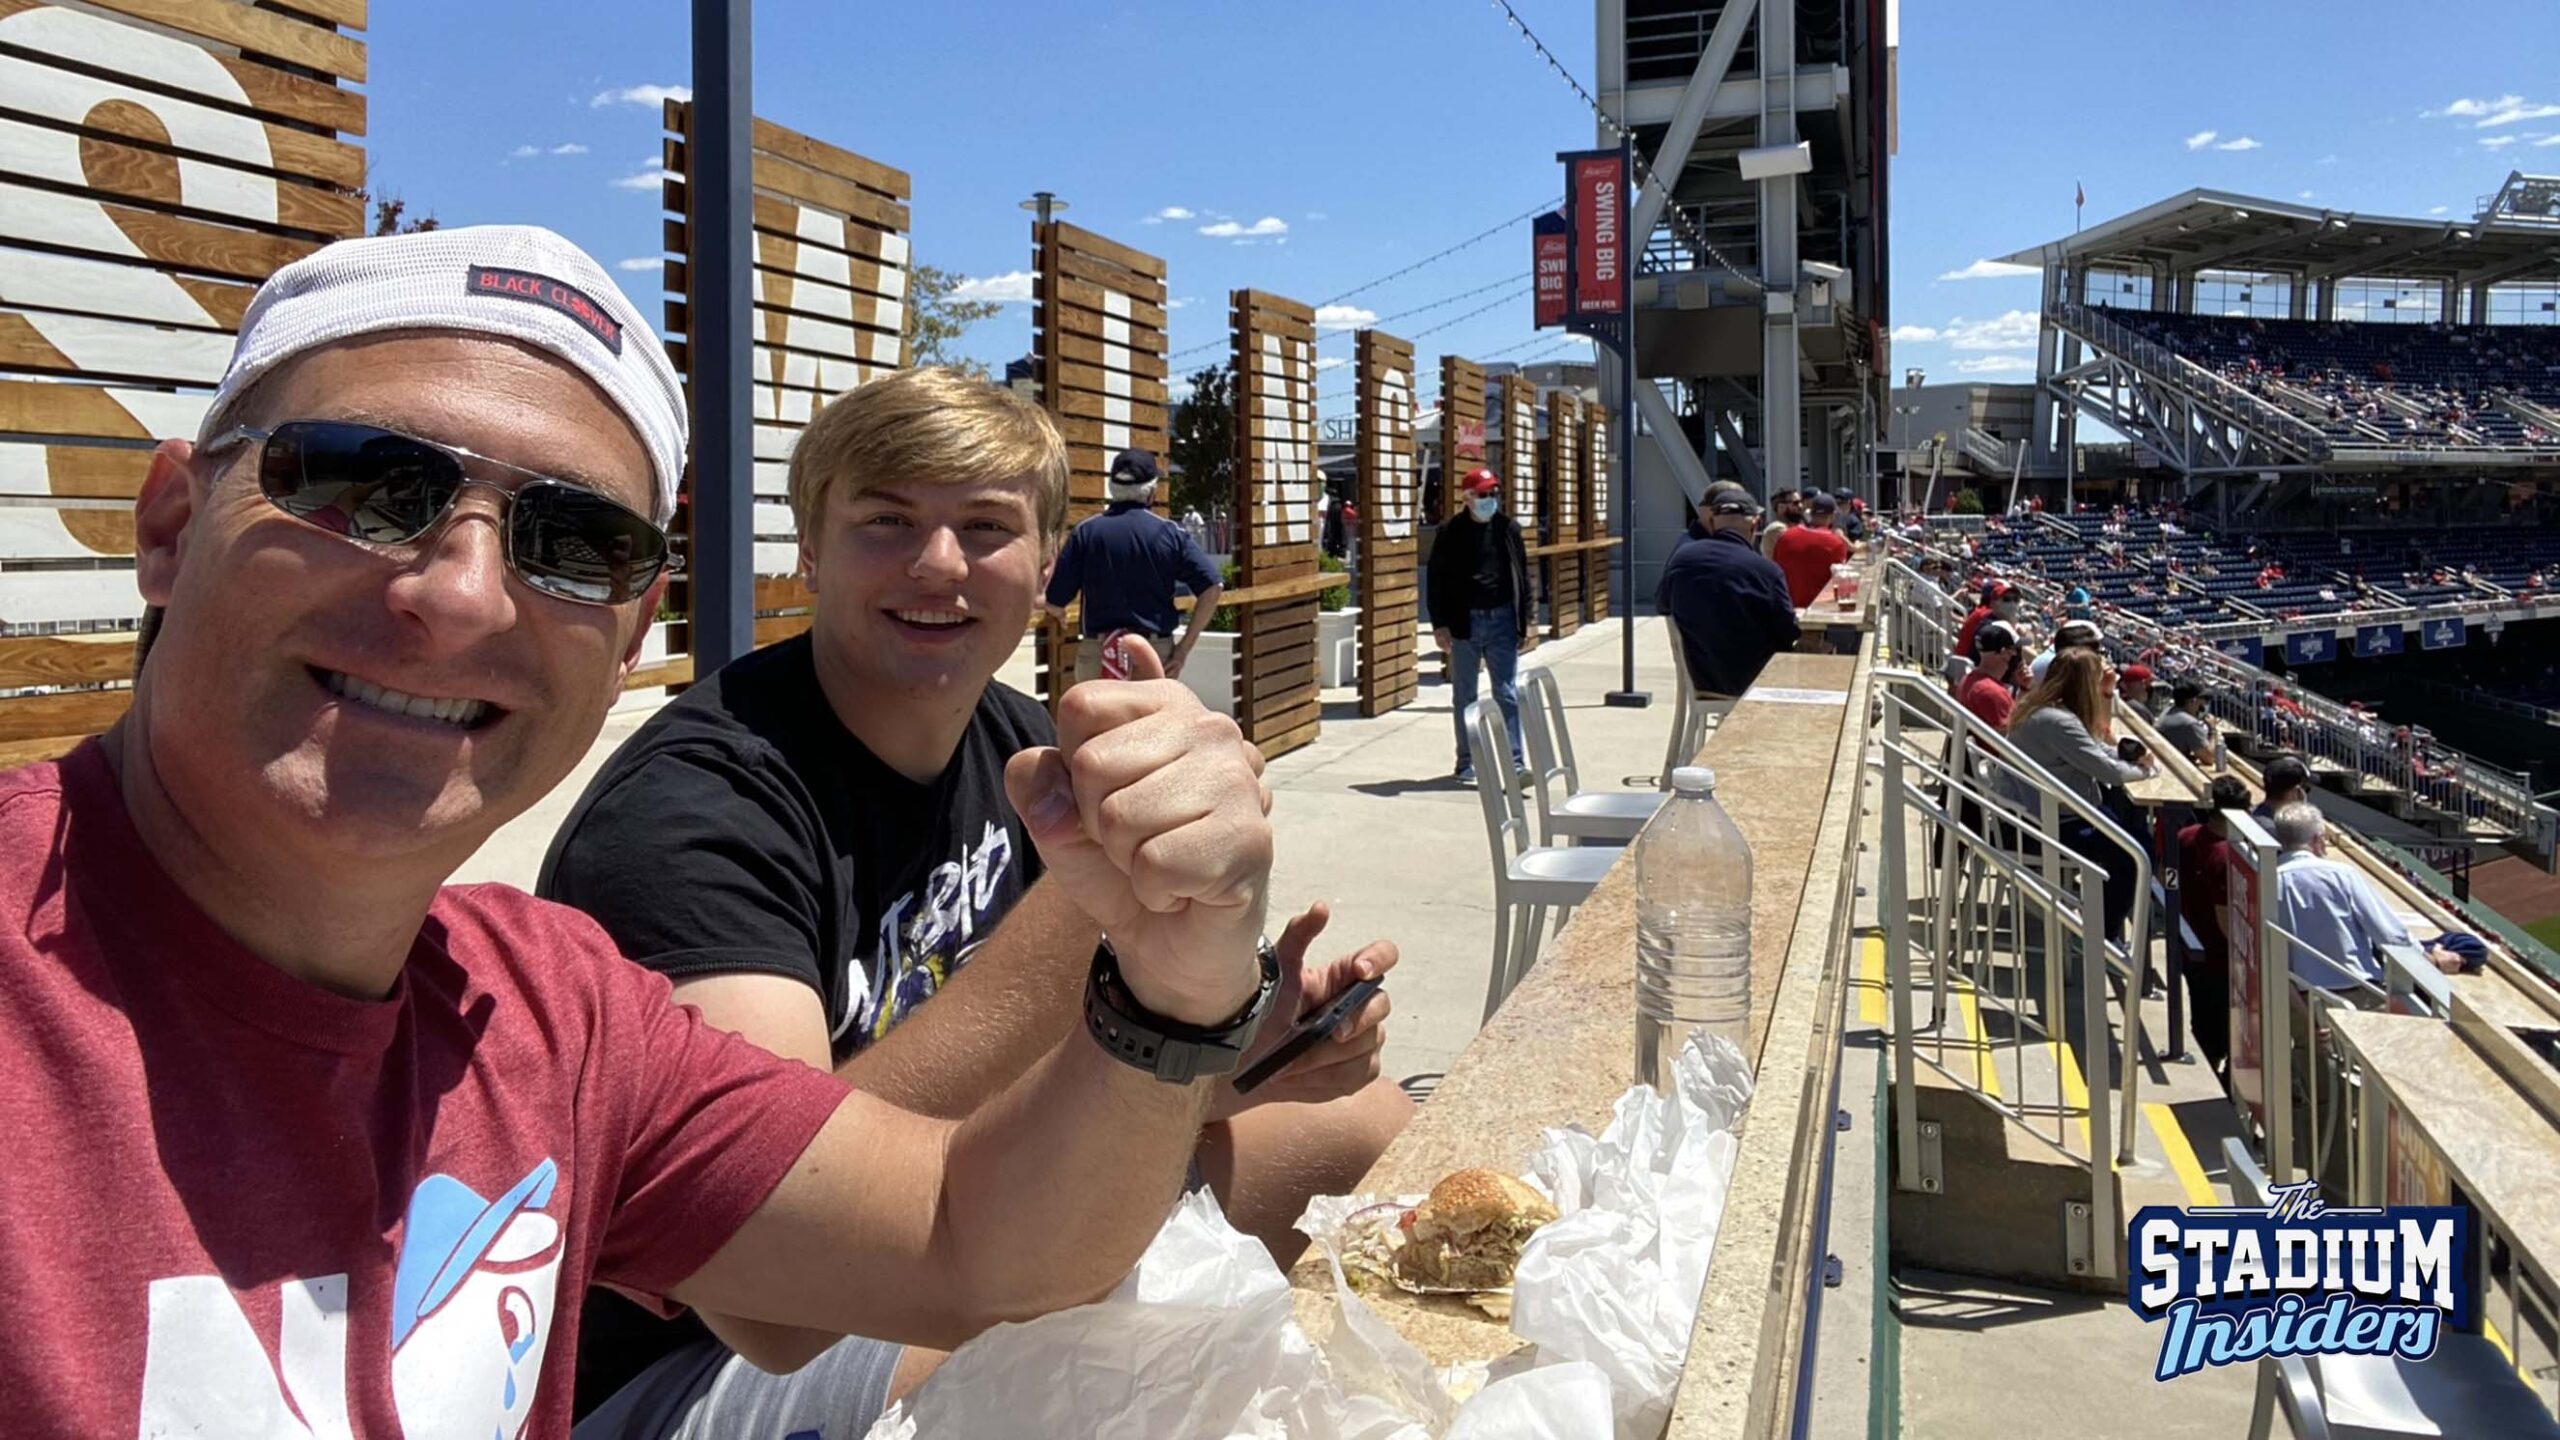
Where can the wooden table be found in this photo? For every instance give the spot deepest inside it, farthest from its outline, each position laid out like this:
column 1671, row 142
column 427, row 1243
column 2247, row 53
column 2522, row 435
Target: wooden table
column 1562, row 1048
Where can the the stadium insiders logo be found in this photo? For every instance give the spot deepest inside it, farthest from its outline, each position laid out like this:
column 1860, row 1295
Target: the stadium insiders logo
column 2237, row 1284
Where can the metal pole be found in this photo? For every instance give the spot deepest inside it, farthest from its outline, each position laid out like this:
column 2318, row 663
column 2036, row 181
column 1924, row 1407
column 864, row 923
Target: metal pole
column 721, row 196
column 1627, row 696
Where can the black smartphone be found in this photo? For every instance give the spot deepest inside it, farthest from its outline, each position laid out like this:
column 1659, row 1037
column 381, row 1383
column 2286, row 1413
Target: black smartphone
column 1308, row 1033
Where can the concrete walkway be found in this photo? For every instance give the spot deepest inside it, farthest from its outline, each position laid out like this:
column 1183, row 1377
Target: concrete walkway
column 1369, row 820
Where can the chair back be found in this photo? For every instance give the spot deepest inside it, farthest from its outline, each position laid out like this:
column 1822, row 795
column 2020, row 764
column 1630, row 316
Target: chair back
column 1550, row 746
column 1506, row 816
column 2248, row 1181
column 1688, row 721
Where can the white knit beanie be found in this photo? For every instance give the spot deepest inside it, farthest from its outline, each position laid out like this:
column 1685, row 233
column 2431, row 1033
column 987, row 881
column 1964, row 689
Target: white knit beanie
column 519, row 281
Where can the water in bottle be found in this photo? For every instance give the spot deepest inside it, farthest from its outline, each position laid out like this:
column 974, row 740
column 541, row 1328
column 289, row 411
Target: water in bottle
column 1693, row 926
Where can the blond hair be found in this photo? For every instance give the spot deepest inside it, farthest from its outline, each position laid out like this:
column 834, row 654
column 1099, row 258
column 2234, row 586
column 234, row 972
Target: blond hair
column 938, row 425
column 2076, row 681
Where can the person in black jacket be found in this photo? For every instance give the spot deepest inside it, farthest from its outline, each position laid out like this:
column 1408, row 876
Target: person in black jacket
column 1480, row 602
column 1728, row 599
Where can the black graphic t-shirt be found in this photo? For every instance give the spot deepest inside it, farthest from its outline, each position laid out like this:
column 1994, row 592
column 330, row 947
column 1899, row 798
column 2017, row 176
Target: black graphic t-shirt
column 744, row 829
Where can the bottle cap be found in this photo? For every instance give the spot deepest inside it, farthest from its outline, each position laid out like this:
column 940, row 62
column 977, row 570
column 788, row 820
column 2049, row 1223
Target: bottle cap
column 1693, row 780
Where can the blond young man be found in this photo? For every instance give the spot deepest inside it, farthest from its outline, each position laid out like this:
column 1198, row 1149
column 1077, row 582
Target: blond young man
column 815, row 843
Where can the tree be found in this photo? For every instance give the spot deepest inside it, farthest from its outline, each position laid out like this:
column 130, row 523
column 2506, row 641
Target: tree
column 934, row 321
column 390, row 212
column 1204, row 443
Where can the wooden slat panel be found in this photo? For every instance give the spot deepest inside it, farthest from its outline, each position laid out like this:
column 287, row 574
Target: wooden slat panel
column 66, row 530
column 163, row 62
column 71, row 98
column 263, row 31
column 125, row 292
column 793, row 182
column 30, row 407
column 111, row 349
column 806, row 150
column 71, row 222
column 1076, row 237
column 1089, row 406
column 83, row 472
column 1084, row 350
column 1141, row 290
column 779, row 219
column 55, row 597
column 67, row 712
column 1113, row 383
column 37, row 152
column 1074, row 293
column 65, row 660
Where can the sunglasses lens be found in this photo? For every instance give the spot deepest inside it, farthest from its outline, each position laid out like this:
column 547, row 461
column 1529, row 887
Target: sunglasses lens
column 578, row 545
column 356, row 481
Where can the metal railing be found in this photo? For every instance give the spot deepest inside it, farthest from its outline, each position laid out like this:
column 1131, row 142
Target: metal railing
column 2019, row 917
column 2233, row 402
column 1919, row 620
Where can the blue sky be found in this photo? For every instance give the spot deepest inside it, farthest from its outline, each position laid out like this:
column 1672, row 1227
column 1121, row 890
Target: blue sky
column 1357, row 136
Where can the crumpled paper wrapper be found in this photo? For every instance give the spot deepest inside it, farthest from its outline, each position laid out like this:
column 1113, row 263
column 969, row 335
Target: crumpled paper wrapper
column 1200, row 1341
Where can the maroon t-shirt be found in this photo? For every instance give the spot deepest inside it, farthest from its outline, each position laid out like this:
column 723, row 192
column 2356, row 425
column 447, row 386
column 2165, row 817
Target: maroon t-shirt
column 234, row 1203
column 1807, row 553
column 1988, row 697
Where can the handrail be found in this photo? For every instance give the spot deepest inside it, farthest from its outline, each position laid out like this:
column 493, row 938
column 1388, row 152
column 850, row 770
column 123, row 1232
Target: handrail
column 2169, row 367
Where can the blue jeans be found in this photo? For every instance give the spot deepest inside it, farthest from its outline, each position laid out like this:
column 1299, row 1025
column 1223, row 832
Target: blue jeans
column 1494, row 636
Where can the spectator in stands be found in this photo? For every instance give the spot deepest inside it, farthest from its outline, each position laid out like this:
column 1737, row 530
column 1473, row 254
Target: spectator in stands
column 1788, row 506
column 2000, row 601
column 1989, row 689
column 2204, row 889
column 2343, row 926
column 2185, row 726
column 2069, row 635
column 1728, row 600
column 1124, row 564
column 1808, row 551
column 2060, row 725
column 2133, row 685
column 2287, row 781
column 1480, row 603
column 2076, row 604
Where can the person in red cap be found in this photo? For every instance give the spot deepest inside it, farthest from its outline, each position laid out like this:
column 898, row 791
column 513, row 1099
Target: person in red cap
column 1999, row 602
column 1479, row 598
column 2133, row 684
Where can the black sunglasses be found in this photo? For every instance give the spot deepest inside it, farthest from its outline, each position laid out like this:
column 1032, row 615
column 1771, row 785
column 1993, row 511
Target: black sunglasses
column 382, row 488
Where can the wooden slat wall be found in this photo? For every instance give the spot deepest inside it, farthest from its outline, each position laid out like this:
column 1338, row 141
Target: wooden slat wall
column 1098, row 344
column 1390, row 499
column 1597, row 563
column 1461, row 416
column 1277, row 495
column 1511, row 433
column 830, row 287
column 151, row 174
column 1560, row 470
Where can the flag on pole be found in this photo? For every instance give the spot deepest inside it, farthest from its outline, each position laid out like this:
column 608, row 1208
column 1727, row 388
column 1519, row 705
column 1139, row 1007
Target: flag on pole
column 2079, row 196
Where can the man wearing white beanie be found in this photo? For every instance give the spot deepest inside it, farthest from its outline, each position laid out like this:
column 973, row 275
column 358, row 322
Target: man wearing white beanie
column 366, row 1140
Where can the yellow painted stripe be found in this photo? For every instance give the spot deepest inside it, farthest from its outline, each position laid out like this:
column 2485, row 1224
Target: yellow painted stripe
column 2489, row 1328
column 1871, row 980
column 2182, row 1156
column 2075, row 1090
column 1986, row 1072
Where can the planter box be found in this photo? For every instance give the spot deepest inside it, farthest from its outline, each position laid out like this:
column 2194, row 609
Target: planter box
column 1337, row 647
column 1211, row 671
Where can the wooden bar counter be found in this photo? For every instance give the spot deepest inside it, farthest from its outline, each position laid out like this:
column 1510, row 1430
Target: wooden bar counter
column 1562, row 1048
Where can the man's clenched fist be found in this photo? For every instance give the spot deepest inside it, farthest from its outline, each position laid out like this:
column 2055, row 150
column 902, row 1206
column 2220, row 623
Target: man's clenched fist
column 1151, row 814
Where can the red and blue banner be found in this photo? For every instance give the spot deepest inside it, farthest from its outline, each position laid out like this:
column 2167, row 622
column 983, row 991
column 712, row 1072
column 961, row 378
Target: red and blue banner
column 1595, row 198
column 1551, row 263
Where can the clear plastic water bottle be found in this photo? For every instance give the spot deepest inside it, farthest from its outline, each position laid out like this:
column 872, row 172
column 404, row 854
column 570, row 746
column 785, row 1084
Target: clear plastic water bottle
column 1693, row 926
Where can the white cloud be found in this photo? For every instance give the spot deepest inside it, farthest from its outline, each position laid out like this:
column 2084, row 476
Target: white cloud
column 1988, row 270
column 2497, row 142
column 1331, row 362
column 1177, row 302
column 1916, row 334
column 527, row 152
column 638, row 263
column 2489, row 114
column 2015, row 327
column 648, row 179
column 569, row 147
column 2435, row 209
column 2201, row 139
column 2546, row 140
column 1318, row 215
column 1013, row 288
column 2244, row 142
column 1995, row 364
column 2326, row 160
column 640, row 95
column 1344, row 317
column 1170, row 212
column 1230, row 229
column 2301, row 194
column 523, row 152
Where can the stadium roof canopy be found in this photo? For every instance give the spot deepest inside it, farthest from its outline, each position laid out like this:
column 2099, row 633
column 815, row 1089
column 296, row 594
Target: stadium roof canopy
column 2515, row 237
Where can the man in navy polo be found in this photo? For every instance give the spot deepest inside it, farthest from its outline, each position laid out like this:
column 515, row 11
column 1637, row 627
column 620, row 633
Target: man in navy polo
column 1730, row 602
column 1125, row 562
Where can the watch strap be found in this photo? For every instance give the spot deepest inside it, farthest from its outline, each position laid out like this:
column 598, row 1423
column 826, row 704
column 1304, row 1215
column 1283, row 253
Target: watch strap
column 1168, row 1049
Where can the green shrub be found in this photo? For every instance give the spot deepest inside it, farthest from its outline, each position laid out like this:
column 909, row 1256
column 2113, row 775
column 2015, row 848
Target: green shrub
column 1967, row 502
column 1227, row 620
column 1334, row 597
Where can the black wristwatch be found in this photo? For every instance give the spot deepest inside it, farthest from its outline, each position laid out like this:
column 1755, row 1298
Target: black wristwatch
column 1168, row 1049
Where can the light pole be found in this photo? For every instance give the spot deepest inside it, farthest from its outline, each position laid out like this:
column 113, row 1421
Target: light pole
column 722, row 190
column 1046, row 205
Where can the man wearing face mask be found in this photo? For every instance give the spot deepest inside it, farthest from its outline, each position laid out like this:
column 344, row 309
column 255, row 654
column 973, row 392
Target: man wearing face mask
column 2000, row 602
column 1480, row 601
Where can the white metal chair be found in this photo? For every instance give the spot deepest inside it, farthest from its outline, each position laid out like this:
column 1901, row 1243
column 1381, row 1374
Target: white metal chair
column 1692, row 714
column 1612, row 816
column 2465, row 1388
column 1527, row 879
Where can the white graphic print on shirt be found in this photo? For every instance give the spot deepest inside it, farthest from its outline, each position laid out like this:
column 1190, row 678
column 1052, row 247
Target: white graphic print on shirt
column 926, row 935
column 471, row 1301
